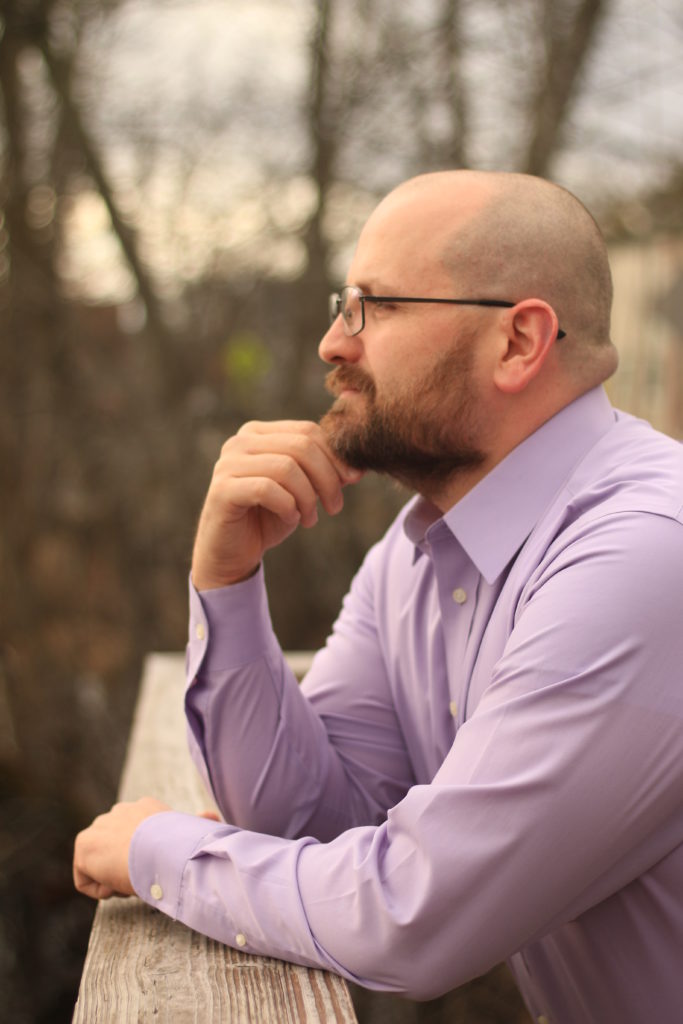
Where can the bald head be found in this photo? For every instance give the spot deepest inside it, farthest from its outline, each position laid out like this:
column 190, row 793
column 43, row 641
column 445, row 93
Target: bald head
column 514, row 236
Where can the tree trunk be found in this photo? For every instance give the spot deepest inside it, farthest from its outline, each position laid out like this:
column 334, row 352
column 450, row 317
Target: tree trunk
column 567, row 48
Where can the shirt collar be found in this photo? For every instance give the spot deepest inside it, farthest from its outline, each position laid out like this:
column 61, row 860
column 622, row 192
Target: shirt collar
column 494, row 519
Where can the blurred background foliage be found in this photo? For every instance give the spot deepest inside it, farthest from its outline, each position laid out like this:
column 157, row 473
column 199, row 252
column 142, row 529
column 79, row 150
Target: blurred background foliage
column 181, row 185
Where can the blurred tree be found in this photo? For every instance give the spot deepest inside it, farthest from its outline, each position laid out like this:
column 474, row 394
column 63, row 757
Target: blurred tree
column 567, row 34
column 88, row 579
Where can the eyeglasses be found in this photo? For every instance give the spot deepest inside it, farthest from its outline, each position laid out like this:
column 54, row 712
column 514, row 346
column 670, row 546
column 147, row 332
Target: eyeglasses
column 350, row 303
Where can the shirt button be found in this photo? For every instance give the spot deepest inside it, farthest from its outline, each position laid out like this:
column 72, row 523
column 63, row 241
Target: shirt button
column 542, row 1019
column 241, row 939
column 156, row 892
column 200, row 632
column 459, row 595
column 453, row 708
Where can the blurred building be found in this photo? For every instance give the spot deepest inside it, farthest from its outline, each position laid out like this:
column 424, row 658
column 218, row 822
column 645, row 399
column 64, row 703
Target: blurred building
column 646, row 254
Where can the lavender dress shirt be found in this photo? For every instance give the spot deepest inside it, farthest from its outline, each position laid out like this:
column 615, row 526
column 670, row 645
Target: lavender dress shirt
column 485, row 761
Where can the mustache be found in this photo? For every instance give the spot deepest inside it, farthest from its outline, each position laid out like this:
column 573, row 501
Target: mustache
column 346, row 376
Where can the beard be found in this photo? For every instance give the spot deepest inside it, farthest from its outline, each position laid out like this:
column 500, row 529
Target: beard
column 422, row 435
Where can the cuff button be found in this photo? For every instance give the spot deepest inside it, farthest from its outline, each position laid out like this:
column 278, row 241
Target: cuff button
column 156, row 892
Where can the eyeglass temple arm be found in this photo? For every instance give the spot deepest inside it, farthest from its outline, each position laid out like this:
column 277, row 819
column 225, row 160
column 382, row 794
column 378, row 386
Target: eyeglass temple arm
column 499, row 303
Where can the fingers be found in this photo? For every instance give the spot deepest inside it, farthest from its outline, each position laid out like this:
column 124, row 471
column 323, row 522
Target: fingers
column 286, row 484
column 83, row 881
column 297, row 456
column 100, row 864
column 90, row 887
column 269, row 478
column 304, row 428
column 210, row 815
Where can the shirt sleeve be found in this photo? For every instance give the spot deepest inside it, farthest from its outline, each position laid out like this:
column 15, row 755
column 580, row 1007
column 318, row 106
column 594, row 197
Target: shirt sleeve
column 562, row 788
column 285, row 759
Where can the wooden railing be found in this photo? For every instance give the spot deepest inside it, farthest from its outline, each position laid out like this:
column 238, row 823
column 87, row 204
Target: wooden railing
column 143, row 967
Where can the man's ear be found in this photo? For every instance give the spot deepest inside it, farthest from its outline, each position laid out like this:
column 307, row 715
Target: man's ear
column 531, row 328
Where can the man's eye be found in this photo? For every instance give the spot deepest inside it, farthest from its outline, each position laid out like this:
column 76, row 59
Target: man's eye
column 384, row 305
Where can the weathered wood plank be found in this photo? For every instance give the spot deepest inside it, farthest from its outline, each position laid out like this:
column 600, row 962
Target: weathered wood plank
column 141, row 966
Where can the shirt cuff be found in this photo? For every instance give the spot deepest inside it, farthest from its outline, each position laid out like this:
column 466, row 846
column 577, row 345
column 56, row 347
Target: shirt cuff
column 159, row 851
column 229, row 626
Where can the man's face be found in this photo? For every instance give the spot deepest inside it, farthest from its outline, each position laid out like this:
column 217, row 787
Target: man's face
column 406, row 387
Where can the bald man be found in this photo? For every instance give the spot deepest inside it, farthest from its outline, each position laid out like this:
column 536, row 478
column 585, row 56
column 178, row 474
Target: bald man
column 485, row 761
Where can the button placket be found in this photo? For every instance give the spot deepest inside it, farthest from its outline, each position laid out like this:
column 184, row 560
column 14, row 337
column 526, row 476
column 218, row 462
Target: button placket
column 457, row 606
column 456, row 579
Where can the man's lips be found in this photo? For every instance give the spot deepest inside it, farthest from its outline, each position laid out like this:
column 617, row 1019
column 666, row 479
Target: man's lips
column 346, row 381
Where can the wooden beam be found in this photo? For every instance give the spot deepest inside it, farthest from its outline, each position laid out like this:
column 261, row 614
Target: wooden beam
column 143, row 967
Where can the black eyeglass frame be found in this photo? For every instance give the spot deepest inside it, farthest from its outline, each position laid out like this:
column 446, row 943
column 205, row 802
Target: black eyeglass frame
column 337, row 301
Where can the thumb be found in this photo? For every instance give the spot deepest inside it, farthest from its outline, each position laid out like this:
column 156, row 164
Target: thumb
column 211, row 815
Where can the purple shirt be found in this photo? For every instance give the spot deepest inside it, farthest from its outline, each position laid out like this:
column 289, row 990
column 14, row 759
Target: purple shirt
column 485, row 762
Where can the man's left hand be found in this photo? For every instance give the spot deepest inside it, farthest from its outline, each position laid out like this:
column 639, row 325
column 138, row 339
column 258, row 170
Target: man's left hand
column 101, row 851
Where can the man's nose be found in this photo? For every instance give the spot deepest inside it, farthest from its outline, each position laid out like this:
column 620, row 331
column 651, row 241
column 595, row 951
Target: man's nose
column 337, row 347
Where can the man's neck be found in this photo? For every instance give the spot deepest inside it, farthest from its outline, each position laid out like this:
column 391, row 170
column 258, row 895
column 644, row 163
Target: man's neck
column 445, row 492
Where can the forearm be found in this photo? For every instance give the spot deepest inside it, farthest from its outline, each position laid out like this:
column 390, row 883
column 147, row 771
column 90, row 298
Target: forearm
column 273, row 759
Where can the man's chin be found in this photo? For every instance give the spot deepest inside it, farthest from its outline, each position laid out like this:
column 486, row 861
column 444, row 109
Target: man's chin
column 336, row 426
column 341, row 413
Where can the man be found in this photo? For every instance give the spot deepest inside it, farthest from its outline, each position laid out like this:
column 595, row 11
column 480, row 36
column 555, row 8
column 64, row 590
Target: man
column 485, row 762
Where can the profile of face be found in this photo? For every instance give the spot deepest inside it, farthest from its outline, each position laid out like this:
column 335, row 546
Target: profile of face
column 406, row 399
column 422, row 430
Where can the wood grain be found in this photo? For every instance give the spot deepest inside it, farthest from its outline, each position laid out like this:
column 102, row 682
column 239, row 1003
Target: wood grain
column 143, row 967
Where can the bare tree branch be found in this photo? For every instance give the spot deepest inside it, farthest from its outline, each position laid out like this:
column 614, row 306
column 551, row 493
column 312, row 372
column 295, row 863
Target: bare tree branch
column 60, row 77
column 567, row 48
column 322, row 138
column 451, row 29
column 313, row 284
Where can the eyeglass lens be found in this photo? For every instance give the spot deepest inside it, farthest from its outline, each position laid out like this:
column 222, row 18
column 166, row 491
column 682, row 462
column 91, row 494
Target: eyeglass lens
column 349, row 304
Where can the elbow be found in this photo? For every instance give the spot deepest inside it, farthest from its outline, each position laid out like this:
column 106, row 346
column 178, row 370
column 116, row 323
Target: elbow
column 409, row 966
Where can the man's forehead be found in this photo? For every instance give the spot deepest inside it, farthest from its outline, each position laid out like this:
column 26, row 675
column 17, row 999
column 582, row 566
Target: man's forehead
column 458, row 195
column 404, row 237
column 430, row 212
column 385, row 263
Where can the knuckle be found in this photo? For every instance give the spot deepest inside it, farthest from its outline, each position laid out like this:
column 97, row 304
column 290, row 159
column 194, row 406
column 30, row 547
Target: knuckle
column 247, row 428
column 301, row 445
column 263, row 489
column 229, row 446
column 287, row 466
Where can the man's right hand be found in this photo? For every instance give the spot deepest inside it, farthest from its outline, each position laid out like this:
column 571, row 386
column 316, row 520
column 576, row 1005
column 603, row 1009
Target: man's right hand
column 267, row 480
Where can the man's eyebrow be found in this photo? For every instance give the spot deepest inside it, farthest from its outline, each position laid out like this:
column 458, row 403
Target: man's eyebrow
column 374, row 287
